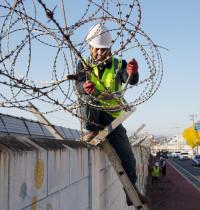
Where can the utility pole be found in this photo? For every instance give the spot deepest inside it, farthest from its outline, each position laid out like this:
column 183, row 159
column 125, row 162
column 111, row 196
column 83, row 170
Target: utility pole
column 178, row 138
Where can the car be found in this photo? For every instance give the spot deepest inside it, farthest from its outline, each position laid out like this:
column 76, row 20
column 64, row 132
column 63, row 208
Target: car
column 183, row 156
column 170, row 154
column 196, row 160
column 176, row 154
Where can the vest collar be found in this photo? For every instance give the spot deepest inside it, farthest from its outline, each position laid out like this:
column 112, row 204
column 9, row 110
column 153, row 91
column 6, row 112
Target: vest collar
column 103, row 65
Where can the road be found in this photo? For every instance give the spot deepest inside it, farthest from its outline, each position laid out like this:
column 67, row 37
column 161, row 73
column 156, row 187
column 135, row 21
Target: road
column 187, row 165
column 192, row 174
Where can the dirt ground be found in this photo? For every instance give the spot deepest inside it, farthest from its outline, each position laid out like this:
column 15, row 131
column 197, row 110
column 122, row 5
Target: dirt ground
column 174, row 193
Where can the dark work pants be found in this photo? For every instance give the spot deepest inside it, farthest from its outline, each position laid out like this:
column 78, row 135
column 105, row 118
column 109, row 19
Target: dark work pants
column 117, row 138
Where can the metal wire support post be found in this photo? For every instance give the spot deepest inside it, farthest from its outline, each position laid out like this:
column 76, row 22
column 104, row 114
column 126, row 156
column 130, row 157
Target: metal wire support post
column 52, row 129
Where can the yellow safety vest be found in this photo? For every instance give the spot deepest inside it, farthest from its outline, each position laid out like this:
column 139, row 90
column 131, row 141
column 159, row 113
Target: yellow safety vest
column 155, row 171
column 109, row 81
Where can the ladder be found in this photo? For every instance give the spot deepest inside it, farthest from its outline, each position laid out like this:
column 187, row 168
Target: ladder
column 100, row 140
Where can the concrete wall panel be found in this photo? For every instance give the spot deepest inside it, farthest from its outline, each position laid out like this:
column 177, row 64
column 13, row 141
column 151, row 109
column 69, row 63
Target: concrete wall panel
column 58, row 170
column 78, row 164
column 50, row 203
column 3, row 180
column 75, row 197
column 27, row 178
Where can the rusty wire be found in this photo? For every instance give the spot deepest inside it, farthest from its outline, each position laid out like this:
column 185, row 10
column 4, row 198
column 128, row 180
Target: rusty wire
column 28, row 27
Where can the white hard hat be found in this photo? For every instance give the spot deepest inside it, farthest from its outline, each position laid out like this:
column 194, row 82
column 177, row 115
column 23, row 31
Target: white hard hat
column 99, row 37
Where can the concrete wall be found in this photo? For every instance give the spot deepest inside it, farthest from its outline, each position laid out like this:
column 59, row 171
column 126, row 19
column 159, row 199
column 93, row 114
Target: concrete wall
column 45, row 174
column 142, row 159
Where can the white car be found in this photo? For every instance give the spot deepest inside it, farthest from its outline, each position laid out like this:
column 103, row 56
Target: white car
column 183, row 156
column 176, row 154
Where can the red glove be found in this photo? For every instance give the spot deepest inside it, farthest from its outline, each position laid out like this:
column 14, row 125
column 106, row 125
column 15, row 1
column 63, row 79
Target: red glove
column 89, row 87
column 132, row 67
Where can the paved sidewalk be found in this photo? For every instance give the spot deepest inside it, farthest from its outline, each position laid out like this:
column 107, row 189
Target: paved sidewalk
column 175, row 193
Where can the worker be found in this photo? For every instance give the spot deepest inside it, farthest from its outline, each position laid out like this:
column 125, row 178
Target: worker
column 155, row 173
column 106, row 75
column 163, row 166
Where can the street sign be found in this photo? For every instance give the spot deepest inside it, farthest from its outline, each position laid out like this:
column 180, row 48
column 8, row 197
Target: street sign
column 197, row 126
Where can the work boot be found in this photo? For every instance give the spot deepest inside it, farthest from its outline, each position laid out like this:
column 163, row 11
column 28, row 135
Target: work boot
column 89, row 135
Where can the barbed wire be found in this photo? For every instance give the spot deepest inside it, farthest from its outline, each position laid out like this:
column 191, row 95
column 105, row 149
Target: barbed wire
column 35, row 35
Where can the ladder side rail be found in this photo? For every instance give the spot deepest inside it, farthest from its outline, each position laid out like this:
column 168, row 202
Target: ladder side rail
column 109, row 128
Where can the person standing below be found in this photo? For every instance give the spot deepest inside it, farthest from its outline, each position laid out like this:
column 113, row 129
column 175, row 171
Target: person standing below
column 104, row 77
column 163, row 166
column 155, row 173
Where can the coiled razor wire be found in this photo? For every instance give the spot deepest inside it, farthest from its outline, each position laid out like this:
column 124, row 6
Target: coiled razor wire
column 42, row 42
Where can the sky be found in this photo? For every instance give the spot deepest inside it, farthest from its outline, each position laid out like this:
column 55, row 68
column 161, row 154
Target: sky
column 172, row 24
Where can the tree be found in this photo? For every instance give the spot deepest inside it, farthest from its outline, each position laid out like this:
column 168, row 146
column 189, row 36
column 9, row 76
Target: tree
column 192, row 136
